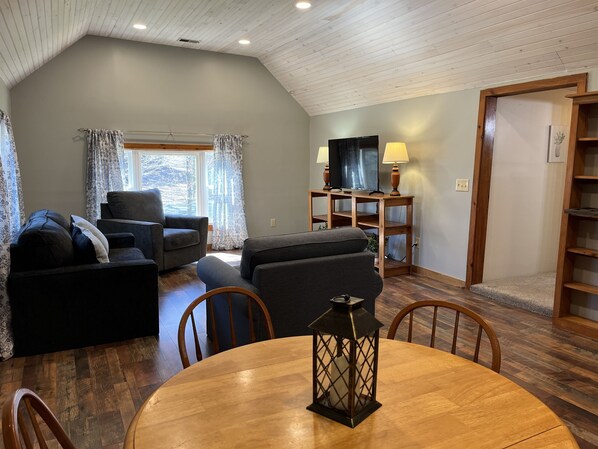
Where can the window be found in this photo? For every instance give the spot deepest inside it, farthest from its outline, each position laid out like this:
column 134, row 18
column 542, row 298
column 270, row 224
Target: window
column 181, row 175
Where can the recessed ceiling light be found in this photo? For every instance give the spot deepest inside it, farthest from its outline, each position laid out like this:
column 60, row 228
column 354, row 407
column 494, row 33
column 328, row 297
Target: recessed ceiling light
column 303, row 5
column 139, row 26
column 244, row 41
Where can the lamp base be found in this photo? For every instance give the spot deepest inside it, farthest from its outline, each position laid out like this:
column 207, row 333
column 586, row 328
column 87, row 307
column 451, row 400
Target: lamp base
column 395, row 178
column 327, row 179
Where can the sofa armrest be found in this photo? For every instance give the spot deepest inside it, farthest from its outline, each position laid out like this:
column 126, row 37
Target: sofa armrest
column 121, row 240
column 187, row 222
column 215, row 274
column 149, row 236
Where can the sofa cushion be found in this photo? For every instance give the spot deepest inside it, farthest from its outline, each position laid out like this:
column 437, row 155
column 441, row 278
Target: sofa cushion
column 304, row 245
column 83, row 247
column 54, row 216
column 144, row 205
column 42, row 242
column 179, row 238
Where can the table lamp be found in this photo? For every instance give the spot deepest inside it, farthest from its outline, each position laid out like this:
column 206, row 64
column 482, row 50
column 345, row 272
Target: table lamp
column 395, row 153
column 323, row 159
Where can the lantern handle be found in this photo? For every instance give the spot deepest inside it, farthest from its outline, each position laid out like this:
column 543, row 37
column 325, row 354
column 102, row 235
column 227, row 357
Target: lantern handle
column 343, row 298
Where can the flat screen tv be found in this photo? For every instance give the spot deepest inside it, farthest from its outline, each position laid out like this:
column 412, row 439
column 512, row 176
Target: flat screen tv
column 353, row 163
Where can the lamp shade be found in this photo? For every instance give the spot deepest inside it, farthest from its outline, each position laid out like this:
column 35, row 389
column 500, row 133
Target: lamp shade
column 322, row 156
column 395, row 153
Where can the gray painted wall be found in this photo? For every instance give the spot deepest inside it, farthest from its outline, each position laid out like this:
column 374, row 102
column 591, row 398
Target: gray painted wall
column 115, row 84
column 440, row 132
column 4, row 98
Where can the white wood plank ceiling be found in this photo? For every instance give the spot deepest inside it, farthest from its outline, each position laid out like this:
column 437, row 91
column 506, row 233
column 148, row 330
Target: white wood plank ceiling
column 338, row 55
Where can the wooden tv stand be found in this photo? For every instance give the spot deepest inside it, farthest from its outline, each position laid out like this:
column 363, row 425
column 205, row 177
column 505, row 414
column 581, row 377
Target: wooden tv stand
column 342, row 214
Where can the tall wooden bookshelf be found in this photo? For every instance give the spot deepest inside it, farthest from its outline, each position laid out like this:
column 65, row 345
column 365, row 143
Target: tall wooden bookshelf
column 577, row 268
column 343, row 209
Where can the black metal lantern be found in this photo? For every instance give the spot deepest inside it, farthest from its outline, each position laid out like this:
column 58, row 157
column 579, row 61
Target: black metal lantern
column 345, row 362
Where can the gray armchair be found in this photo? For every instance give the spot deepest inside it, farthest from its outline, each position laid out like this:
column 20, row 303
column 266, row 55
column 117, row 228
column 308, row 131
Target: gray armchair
column 170, row 240
column 295, row 275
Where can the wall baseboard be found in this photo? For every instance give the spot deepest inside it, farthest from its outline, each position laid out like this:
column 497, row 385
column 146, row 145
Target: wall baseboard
column 438, row 276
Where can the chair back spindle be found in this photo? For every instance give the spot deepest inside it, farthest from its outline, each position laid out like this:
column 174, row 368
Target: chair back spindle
column 434, row 321
column 455, row 333
column 231, row 320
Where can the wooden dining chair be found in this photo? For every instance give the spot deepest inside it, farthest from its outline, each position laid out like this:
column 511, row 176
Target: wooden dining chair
column 21, row 427
column 227, row 295
column 482, row 326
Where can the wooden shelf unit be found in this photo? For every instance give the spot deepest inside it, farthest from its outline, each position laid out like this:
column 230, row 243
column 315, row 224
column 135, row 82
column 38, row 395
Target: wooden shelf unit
column 341, row 215
column 581, row 183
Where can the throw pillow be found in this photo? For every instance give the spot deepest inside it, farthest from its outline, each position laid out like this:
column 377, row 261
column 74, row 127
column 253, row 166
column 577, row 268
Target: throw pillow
column 83, row 223
column 83, row 247
column 88, row 248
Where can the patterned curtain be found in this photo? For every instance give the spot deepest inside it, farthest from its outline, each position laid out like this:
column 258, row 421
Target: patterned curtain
column 230, row 228
column 11, row 214
column 104, row 168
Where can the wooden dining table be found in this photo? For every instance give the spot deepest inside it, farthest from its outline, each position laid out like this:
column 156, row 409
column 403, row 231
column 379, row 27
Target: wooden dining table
column 255, row 396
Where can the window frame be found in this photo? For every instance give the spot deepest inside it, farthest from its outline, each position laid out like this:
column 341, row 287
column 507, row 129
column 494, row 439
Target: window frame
column 138, row 148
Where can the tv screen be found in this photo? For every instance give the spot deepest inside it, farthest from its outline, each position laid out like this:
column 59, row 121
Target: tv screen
column 353, row 163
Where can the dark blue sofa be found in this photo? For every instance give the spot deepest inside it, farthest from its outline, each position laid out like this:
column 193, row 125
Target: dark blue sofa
column 59, row 303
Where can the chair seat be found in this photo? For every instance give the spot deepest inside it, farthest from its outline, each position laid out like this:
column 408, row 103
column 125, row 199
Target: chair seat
column 179, row 238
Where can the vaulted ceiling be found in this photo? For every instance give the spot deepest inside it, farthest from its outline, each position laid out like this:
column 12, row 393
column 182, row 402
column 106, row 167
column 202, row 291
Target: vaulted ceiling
column 338, row 55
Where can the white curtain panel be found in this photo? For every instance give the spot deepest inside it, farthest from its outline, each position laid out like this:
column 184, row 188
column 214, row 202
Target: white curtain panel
column 229, row 225
column 11, row 215
column 104, row 168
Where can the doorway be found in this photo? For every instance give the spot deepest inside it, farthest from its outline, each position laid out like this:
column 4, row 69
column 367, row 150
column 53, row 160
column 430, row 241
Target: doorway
column 485, row 141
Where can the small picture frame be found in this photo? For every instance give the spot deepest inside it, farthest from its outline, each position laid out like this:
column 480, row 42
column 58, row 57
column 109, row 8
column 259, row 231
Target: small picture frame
column 557, row 143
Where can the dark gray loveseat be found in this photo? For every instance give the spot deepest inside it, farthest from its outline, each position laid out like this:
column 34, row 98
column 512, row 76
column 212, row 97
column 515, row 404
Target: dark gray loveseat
column 296, row 275
column 60, row 301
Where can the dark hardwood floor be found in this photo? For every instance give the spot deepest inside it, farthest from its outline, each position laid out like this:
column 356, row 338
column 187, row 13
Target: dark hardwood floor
column 96, row 391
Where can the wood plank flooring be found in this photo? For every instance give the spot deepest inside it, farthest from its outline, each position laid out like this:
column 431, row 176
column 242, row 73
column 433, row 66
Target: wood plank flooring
column 95, row 391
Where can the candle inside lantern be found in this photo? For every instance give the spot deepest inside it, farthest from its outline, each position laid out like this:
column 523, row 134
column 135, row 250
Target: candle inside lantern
column 339, row 375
